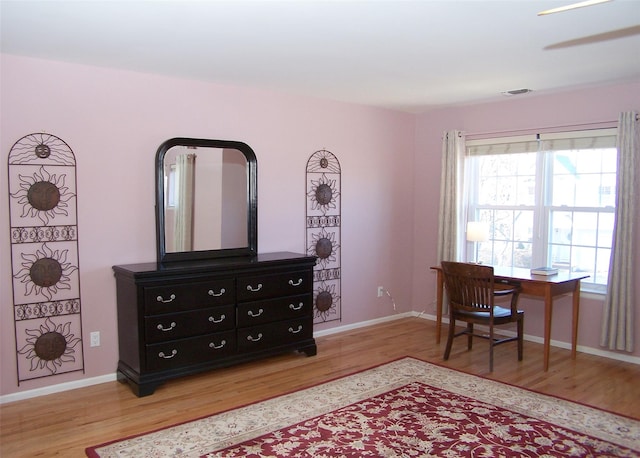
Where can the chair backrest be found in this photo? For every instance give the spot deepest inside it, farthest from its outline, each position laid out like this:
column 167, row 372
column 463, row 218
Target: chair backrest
column 469, row 287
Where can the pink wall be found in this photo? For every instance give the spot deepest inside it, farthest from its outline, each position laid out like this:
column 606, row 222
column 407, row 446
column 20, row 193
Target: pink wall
column 115, row 120
column 513, row 114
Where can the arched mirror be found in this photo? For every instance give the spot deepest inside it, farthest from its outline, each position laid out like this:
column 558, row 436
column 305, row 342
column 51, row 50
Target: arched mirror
column 206, row 199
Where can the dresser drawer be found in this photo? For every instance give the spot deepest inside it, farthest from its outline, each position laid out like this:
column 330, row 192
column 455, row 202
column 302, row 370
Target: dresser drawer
column 171, row 326
column 194, row 350
column 282, row 308
column 274, row 334
column 282, row 284
column 188, row 296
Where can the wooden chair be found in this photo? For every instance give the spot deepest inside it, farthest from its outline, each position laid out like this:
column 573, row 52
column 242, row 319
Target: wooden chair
column 471, row 290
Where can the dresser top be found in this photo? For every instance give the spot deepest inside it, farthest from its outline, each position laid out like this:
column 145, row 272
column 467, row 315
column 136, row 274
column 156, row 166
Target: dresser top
column 281, row 258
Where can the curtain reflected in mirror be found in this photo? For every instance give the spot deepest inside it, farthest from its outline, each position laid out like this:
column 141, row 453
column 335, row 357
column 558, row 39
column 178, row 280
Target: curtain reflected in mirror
column 184, row 201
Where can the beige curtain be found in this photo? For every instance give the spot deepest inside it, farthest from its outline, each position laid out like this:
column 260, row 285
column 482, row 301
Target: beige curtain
column 451, row 192
column 619, row 305
column 451, row 181
column 185, row 181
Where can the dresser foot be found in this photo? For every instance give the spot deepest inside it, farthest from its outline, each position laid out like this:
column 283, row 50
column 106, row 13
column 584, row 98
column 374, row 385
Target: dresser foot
column 311, row 350
column 140, row 390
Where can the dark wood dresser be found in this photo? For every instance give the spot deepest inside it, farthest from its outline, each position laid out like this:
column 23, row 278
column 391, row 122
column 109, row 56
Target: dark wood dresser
column 186, row 317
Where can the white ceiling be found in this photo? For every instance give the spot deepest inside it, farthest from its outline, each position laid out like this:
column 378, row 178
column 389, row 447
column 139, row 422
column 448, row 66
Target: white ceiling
column 406, row 55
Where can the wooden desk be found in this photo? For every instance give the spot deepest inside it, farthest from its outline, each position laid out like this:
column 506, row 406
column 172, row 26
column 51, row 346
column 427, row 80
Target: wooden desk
column 536, row 285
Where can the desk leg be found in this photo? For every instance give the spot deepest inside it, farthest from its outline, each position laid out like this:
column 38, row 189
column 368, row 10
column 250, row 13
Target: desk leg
column 548, row 311
column 576, row 312
column 439, row 294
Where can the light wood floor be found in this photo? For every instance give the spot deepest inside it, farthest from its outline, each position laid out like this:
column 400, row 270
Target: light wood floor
column 64, row 424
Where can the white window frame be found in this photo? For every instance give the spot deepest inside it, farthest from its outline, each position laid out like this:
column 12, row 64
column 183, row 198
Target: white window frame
column 542, row 207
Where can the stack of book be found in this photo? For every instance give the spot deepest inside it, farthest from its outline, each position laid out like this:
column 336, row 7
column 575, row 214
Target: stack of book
column 544, row 271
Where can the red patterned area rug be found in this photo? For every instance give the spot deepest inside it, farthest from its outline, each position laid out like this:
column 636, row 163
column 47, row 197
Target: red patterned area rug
column 406, row 408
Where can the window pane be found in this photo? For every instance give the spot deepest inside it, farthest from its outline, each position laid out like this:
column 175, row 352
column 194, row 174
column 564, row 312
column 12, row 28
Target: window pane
column 503, row 225
column 564, row 181
column 502, row 254
column 609, row 160
column 583, row 260
column 489, row 165
column 526, row 163
column 585, row 227
column 602, row 266
column 584, row 178
column 589, row 161
column 507, row 164
column 523, row 226
column 587, row 190
column 560, row 257
column 510, row 238
column 561, row 224
column 608, row 190
column 526, row 190
column 507, row 190
column 522, row 255
column 605, row 229
column 564, row 163
column 487, row 191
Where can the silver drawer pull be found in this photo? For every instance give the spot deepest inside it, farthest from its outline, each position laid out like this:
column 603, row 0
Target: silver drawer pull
column 255, row 339
column 161, row 299
column 174, row 352
column 217, row 347
column 213, row 293
column 296, row 307
column 297, row 283
column 257, row 288
column 295, row 331
column 220, row 320
column 255, row 315
column 163, row 329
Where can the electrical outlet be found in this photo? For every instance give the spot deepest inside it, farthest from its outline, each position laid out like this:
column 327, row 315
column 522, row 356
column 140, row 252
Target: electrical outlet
column 380, row 291
column 95, row 339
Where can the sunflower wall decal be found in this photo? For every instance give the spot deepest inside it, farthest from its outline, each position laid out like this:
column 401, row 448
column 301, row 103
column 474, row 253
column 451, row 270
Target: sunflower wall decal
column 50, row 347
column 44, row 257
column 323, row 233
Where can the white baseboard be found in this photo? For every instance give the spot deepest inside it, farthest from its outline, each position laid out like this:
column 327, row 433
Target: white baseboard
column 556, row 343
column 112, row 377
column 362, row 324
column 57, row 388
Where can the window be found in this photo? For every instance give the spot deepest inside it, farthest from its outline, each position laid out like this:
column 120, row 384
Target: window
column 548, row 199
column 170, row 186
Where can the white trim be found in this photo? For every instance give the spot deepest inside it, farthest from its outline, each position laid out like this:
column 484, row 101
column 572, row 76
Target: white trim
column 22, row 395
column 559, row 344
column 363, row 324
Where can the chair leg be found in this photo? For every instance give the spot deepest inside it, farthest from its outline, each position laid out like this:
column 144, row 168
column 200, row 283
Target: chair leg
column 520, row 338
column 491, row 348
column 452, row 331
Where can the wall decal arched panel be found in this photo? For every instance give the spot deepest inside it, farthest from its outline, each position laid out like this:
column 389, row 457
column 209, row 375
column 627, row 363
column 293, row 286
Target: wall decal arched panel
column 323, row 233
column 44, row 257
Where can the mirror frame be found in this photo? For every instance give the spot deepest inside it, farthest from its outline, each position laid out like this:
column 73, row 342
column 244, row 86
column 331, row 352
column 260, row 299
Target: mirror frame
column 252, row 202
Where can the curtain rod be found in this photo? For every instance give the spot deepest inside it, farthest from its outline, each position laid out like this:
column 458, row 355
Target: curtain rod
column 585, row 126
